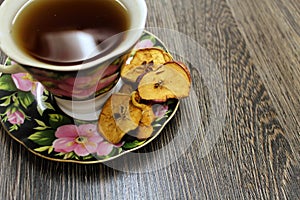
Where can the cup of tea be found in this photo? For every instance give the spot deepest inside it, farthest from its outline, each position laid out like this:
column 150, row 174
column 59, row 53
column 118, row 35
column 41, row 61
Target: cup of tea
column 74, row 48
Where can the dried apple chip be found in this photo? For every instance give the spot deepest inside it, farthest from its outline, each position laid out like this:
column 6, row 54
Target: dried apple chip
column 144, row 132
column 144, row 60
column 145, row 128
column 171, row 80
column 127, row 89
column 118, row 117
column 148, row 115
column 152, row 76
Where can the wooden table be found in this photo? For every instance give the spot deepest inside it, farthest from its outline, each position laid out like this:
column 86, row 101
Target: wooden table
column 244, row 58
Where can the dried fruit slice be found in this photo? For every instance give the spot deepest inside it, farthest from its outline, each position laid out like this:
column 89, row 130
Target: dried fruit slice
column 118, row 117
column 145, row 128
column 144, row 132
column 144, row 60
column 127, row 89
column 171, row 80
column 148, row 115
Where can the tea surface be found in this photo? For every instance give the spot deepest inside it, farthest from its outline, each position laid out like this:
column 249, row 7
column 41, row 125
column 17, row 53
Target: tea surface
column 65, row 32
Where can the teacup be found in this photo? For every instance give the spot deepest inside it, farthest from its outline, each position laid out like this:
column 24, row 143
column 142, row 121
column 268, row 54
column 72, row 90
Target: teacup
column 79, row 87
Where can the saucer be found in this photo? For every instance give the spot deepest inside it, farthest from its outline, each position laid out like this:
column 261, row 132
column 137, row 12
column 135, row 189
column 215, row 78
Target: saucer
column 31, row 116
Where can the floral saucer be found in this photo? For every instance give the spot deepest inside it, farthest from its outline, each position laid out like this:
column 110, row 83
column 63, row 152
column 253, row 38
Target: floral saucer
column 31, row 116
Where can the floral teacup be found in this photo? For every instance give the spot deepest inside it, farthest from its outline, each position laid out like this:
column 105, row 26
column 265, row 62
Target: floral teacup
column 80, row 89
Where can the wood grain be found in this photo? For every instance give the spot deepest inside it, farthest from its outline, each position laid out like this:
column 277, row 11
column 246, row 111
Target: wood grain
column 251, row 111
column 257, row 154
column 272, row 32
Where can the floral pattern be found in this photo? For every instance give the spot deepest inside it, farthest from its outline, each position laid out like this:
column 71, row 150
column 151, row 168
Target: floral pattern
column 24, row 82
column 16, row 118
column 82, row 139
column 79, row 86
column 147, row 43
column 31, row 116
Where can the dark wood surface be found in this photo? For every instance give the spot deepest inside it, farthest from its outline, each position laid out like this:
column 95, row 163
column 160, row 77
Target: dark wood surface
column 249, row 98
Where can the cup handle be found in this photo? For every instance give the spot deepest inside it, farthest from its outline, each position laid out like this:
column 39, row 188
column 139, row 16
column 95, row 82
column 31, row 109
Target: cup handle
column 12, row 69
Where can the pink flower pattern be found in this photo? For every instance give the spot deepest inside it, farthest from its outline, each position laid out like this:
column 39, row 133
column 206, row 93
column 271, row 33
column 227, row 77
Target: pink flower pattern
column 24, row 82
column 104, row 148
column 16, row 117
column 82, row 140
column 144, row 44
column 81, row 86
column 160, row 110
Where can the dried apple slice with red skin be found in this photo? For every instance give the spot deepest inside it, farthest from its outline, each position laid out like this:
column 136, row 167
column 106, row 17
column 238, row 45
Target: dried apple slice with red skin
column 145, row 128
column 171, row 80
column 148, row 115
column 118, row 117
column 144, row 60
